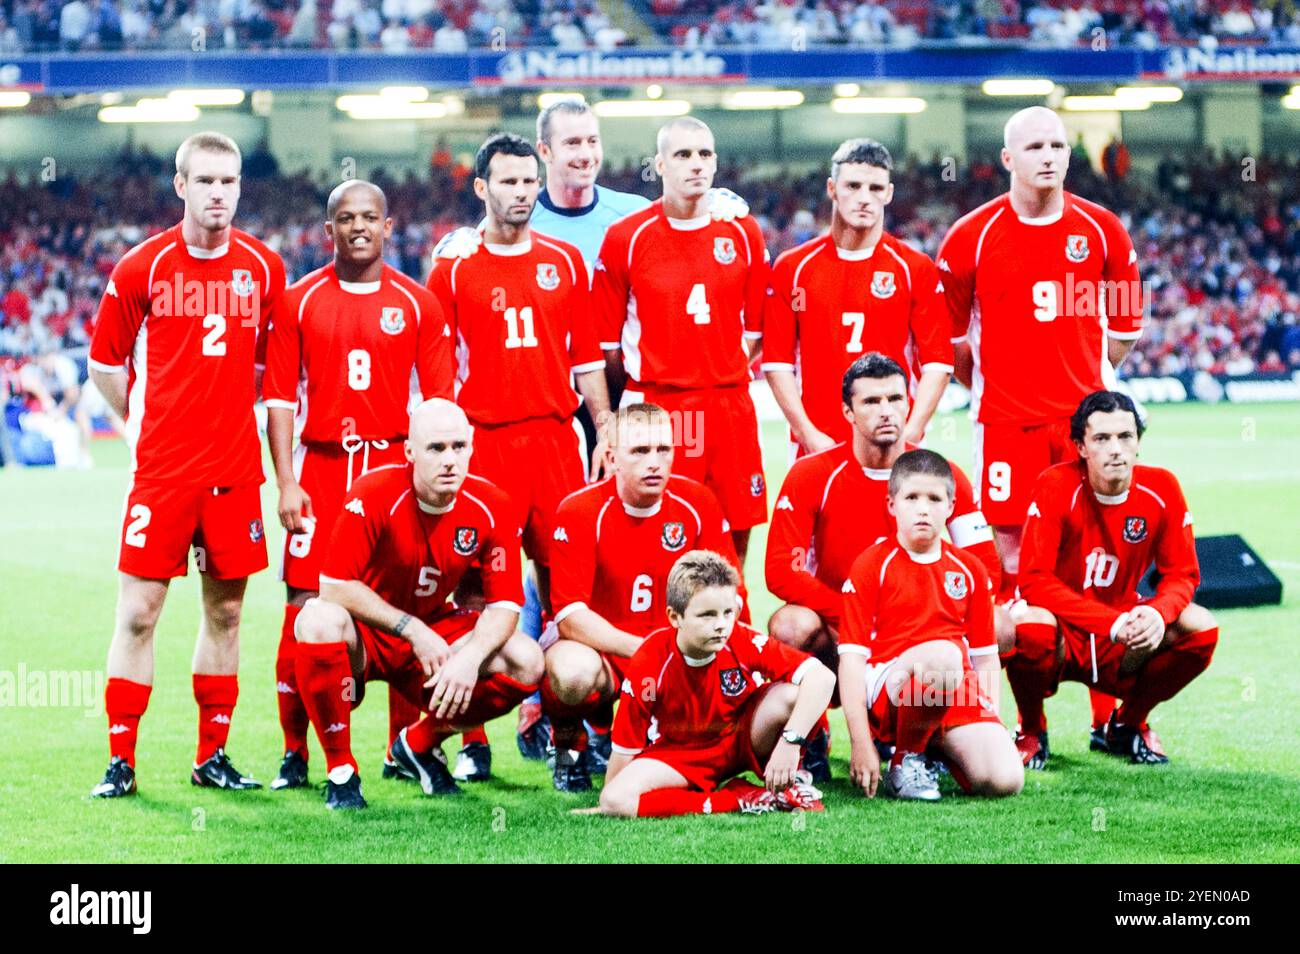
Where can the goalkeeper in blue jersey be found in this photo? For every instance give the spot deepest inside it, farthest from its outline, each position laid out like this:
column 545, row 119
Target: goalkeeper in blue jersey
column 571, row 207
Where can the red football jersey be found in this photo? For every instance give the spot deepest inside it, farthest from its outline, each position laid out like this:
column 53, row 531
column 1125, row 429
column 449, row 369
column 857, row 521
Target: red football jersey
column 830, row 509
column 828, row 307
column 667, row 697
column 1083, row 553
column 413, row 556
column 895, row 599
column 183, row 323
column 1037, row 298
column 356, row 342
column 521, row 319
column 679, row 296
column 615, row 559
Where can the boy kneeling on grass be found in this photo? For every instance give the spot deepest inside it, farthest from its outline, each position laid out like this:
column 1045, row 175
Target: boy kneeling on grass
column 918, row 658
column 707, row 699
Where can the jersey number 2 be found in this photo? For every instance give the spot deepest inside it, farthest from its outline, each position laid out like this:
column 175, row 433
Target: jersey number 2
column 213, row 346
column 141, row 515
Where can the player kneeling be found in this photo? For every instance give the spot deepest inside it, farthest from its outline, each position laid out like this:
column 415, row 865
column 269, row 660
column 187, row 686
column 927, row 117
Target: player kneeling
column 918, row 658
column 1094, row 527
column 705, row 700
column 403, row 541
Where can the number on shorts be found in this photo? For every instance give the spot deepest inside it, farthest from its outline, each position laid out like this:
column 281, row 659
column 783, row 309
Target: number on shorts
column 856, row 320
column 514, row 318
column 1099, row 569
column 141, row 515
column 359, row 369
column 428, row 580
column 1046, row 307
column 642, row 593
column 999, row 480
column 697, row 304
column 300, row 543
column 212, row 343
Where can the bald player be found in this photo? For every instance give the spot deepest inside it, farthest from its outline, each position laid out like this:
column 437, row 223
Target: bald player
column 406, row 535
column 1045, row 300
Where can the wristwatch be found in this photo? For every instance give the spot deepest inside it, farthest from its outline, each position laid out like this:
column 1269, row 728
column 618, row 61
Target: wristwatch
column 794, row 738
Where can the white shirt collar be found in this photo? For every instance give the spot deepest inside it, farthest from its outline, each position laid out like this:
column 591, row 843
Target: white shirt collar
column 1043, row 219
column 217, row 252
column 519, row 248
column 698, row 663
column 875, row 474
column 360, row 288
column 430, row 508
column 855, row 254
column 1111, row 500
column 925, row 557
column 649, row 511
column 689, row 225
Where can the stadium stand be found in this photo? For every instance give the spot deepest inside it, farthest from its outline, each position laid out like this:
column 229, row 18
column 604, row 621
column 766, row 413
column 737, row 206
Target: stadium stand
column 1220, row 257
column 453, row 26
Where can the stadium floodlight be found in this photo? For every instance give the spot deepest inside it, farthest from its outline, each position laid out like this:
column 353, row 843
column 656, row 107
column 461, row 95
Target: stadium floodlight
column 637, row 108
column 847, row 90
column 207, row 97
column 376, row 107
column 1291, row 100
column 1103, row 104
column 859, row 105
column 405, row 94
column 550, row 99
column 1018, row 87
column 14, row 98
column 762, row 99
column 654, row 91
column 1152, row 94
column 150, row 111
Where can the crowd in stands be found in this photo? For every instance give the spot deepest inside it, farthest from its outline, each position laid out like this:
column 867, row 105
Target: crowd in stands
column 454, row 26
column 1218, row 240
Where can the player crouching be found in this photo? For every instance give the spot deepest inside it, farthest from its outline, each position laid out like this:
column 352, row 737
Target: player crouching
column 706, row 700
column 1094, row 527
column 918, row 657
column 405, row 537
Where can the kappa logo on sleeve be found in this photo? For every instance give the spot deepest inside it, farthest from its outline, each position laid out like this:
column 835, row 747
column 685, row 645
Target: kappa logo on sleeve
column 354, row 506
column 561, row 535
column 848, row 587
column 784, row 503
column 111, row 288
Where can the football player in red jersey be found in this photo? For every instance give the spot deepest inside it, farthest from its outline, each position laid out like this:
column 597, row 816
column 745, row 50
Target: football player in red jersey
column 615, row 544
column 918, row 660
column 853, row 290
column 680, row 297
column 1093, row 528
column 834, row 504
column 520, row 311
column 353, row 329
column 404, row 539
column 706, row 699
column 1046, row 300
column 174, row 352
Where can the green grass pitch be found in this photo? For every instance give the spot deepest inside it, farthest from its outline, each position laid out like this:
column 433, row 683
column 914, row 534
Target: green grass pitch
column 1231, row 794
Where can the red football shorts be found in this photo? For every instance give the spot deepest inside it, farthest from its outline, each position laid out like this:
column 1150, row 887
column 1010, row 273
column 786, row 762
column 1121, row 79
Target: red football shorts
column 537, row 463
column 970, row 705
column 326, row 473
column 715, row 431
column 390, row 659
column 161, row 521
column 1008, row 460
column 1092, row 659
column 706, row 767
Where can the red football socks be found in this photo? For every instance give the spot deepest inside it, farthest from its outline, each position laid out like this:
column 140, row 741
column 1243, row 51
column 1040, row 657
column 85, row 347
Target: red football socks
column 1032, row 673
column 666, row 802
column 567, row 730
column 494, row 695
column 401, row 713
column 125, row 702
column 1167, row 673
column 293, row 714
column 477, row 734
column 919, row 713
column 216, row 696
column 324, row 678
column 1103, row 704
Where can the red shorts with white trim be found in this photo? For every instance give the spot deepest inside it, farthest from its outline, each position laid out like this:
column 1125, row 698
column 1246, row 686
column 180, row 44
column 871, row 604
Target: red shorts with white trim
column 537, row 463
column 715, row 431
column 161, row 521
column 1092, row 659
column 390, row 659
column 1008, row 460
column 706, row 767
column 970, row 705
column 326, row 473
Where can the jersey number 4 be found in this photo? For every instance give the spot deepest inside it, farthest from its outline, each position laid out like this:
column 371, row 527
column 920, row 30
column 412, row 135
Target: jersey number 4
column 697, row 304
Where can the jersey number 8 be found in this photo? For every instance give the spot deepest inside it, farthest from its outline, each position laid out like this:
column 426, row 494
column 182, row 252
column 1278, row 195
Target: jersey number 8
column 359, row 369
